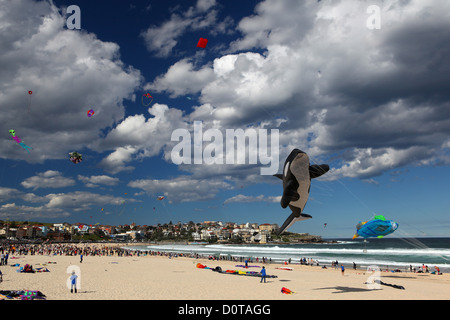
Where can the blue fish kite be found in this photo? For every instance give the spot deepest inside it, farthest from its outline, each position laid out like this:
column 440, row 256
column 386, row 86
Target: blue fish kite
column 377, row 227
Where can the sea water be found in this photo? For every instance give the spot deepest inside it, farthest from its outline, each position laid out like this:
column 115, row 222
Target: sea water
column 386, row 253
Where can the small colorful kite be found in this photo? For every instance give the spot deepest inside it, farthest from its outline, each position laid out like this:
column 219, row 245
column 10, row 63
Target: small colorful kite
column 148, row 96
column 160, row 197
column 75, row 157
column 17, row 139
column 90, row 113
column 286, row 291
column 202, row 43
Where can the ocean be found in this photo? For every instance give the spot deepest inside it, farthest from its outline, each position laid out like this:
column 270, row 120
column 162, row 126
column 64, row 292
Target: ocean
column 386, row 253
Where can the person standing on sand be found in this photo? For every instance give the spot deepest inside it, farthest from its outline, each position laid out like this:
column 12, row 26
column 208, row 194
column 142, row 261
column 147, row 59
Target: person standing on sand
column 263, row 274
column 81, row 258
column 342, row 269
column 73, row 282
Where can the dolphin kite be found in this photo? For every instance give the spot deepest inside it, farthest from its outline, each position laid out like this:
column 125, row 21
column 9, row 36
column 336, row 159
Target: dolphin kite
column 297, row 175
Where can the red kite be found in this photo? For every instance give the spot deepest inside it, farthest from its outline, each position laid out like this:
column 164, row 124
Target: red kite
column 202, row 43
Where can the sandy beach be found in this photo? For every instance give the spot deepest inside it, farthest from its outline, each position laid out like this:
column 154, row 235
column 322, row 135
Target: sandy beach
column 178, row 278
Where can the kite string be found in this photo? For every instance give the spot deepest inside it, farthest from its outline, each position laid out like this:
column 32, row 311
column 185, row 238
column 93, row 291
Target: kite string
column 407, row 238
column 146, row 105
column 348, row 190
column 29, row 102
column 416, row 243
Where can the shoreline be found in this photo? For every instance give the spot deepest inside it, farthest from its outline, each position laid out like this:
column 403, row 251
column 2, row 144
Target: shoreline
column 394, row 267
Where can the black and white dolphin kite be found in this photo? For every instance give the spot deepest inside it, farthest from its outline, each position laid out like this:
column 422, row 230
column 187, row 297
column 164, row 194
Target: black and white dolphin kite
column 297, row 175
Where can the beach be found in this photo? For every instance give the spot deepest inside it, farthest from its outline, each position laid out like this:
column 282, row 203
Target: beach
column 154, row 277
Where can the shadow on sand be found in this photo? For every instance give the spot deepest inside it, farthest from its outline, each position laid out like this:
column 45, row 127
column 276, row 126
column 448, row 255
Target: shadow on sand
column 341, row 289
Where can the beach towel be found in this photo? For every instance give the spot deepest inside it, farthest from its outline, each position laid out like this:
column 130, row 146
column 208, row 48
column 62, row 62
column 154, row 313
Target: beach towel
column 285, row 268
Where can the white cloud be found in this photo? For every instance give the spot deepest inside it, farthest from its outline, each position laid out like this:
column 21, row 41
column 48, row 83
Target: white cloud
column 48, row 179
column 95, row 181
column 360, row 106
column 370, row 162
column 182, row 188
column 115, row 162
column 68, row 71
column 81, row 201
column 182, row 79
column 240, row 198
column 136, row 138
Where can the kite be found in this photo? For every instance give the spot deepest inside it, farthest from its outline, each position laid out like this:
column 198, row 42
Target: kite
column 75, row 157
column 148, row 96
column 285, row 268
column 286, row 291
column 324, row 225
column 202, row 43
column 160, row 197
column 377, row 227
column 233, row 271
column 17, row 139
column 296, row 177
column 90, row 113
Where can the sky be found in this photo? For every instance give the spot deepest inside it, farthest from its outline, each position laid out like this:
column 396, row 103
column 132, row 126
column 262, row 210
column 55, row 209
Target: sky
column 363, row 86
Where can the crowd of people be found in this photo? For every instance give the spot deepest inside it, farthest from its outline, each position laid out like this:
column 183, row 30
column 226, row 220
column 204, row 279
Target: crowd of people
column 66, row 249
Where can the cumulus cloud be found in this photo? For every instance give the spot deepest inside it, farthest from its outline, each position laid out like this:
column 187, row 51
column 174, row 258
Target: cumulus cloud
column 7, row 194
column 69, row 70
column 182, row 79
column 95, row 181
column 182, row 188
column 81, row 200
column 136, row 137
column 240, row 198
column 48, row 179
column 365, row 101
column 374, row 99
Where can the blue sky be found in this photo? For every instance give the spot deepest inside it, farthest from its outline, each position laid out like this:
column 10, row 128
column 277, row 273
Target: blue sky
column 374, row 104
